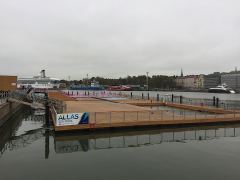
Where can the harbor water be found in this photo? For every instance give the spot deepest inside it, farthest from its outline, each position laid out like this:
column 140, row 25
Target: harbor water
column 196, row 95
column 225, row 101
column 29, row 150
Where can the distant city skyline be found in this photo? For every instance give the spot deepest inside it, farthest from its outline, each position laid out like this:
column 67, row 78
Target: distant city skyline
column 118, row 38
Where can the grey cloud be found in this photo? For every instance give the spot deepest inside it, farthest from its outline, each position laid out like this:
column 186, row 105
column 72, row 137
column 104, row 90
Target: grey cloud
column 118, row 38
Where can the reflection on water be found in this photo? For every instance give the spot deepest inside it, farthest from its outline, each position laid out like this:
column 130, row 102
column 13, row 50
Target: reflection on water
column 27, row 128
column 20, row 131
column 158, row 153
column 131, row 138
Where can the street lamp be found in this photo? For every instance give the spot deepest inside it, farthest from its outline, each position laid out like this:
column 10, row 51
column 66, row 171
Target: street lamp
column 147, row 80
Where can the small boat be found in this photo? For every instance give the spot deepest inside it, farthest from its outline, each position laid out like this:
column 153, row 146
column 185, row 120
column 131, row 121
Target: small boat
column 223, row 88
column 119, row 88
column 93, row 87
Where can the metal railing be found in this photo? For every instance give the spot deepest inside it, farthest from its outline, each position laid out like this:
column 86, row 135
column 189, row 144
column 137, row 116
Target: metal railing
column 224, row 104
column 154, row 116
column 170, row 98
column 3, row 96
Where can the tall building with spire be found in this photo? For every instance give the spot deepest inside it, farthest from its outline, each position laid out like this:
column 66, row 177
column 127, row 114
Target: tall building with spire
column 181, row 72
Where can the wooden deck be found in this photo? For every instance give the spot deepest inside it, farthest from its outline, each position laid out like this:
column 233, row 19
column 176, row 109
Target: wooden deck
column 59, row 96
column 96, row 105
column 120, row 114
column 152, row 103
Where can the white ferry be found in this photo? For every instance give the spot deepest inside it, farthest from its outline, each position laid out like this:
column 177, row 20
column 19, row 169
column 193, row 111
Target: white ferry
column 39, row 82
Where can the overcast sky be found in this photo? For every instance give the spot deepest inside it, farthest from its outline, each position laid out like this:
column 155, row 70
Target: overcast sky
column 113, row 38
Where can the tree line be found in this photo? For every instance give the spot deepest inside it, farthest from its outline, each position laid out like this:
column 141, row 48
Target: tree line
column 154, row 82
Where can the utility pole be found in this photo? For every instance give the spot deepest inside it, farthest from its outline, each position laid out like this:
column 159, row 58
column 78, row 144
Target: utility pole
column 87, row 80
column 147, row 80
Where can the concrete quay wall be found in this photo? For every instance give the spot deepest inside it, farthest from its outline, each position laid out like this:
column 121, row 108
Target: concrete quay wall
column 7, row 110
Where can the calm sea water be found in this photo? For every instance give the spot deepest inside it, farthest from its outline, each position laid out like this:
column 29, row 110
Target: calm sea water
column 30, row 151
column 200, row 95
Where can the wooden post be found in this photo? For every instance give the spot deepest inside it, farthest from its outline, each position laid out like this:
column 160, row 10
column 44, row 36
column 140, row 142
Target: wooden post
column 46, row 143
column 214, row 100
column 184, row 115
column 217, row 102
column 46, row 110
column 181, row 99
column 95, row 117
column 110, row 118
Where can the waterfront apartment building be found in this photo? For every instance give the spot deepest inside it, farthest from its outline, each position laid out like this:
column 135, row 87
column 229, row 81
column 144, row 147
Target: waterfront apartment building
column 200, row 81
column 190, row 81
column 232, row 80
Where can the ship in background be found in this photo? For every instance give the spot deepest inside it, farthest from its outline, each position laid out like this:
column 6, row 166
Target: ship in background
column 39, row 82
column 119, row 88
column 223, row 88
column 94, row 86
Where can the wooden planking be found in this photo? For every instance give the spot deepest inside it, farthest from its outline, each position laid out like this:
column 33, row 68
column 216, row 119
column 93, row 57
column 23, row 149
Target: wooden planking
column 100, row 106
column 199, row 108
column 180, row 106
column 59, row 96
